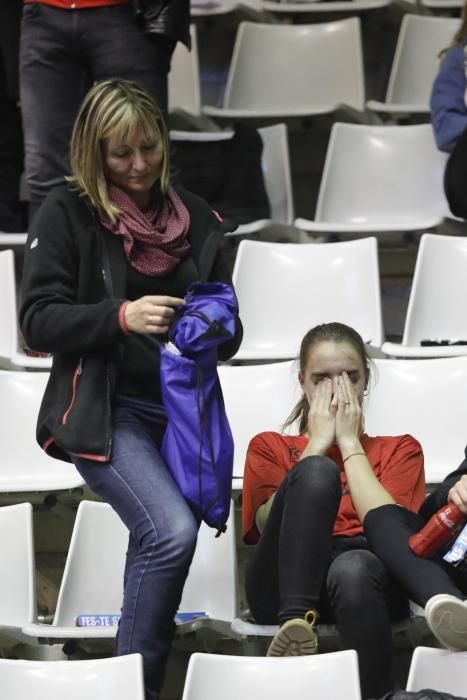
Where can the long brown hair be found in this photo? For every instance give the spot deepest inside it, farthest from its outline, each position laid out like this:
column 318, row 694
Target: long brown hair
column 325, row 333
column 116, row 108
column 460, row 37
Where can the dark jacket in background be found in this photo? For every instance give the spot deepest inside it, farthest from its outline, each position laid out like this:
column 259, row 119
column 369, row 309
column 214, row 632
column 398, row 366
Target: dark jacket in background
column 438, row 498
column 170, row 18
column 455, row 178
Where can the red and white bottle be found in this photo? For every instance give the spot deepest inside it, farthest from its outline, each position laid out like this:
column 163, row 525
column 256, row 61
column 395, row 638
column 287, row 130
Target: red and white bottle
column 441, row 528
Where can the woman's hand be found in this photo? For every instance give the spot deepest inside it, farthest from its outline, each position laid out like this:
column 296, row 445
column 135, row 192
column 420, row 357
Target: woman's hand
column 458, row 494
column 322, row 418
column 151, row 314
column 348, row 417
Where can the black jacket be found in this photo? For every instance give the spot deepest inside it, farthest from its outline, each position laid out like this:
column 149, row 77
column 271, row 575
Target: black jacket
column 74, row 283
column 438, row 498
column 455, row 178
column 171, row 18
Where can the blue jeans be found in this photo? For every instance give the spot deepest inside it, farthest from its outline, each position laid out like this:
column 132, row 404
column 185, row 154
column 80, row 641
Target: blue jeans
column 162, row 528
column 62, row 53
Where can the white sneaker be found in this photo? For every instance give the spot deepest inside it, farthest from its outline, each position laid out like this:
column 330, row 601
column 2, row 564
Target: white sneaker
column 446, row 617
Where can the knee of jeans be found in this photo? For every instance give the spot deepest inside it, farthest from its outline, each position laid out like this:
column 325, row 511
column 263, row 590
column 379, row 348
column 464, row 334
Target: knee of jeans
column 176, row 539
column 315, row 473
column 355, row 574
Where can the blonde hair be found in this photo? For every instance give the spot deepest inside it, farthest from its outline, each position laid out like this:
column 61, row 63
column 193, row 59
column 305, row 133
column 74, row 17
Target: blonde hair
column 112, row 108
column 325, row 333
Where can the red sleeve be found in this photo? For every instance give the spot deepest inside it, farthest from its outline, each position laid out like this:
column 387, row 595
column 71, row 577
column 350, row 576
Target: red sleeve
column 403, row 475
column 265, row 468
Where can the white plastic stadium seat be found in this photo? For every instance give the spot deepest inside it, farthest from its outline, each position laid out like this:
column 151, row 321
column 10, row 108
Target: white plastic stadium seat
column 380, row 178
column 92, row 580
column 293, row 70
column 435, row 306
column 426, row 399
column 24, row 466
column 292, row 7
column 257, row 398
column 284, row 289
column 331, row 676
column 184, row 80
column 17, row 574
column 275, row 165
column 438, row 669
column 119, row 678
column 11, row 355
column 416, row 63
column 433, row 5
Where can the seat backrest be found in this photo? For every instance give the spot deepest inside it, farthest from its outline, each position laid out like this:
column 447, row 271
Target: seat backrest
column 416, row 59
column 8, row 312
column 119, row 678
column 93, row 577
column 211, row 585
column 427, row 399
column 275, row 165
column 382, row 174
column 184, row 79
column 92, row 580
column 23, row 465
column 438, row 669
column 284, row 289
column 17, row 572
column 282, row 68
column 439, row 285
column 276, row 172
column 332, row 676
column 257, row 398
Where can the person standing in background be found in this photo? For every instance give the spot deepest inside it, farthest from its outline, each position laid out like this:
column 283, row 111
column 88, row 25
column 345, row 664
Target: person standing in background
column 447, row 103
column 11, row 138
column 66, row 46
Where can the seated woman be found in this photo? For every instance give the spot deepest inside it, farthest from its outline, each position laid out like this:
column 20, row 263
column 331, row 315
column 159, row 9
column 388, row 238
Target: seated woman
column 305, row 498
column 109, row 259
column 433, row 584
column 447, row 104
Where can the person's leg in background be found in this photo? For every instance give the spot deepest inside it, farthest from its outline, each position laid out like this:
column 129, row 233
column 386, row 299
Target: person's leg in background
column 117, row 48
column 53, row 81
column 11, row 137
column 432, row 583
column 387, row 530
column 163, row 533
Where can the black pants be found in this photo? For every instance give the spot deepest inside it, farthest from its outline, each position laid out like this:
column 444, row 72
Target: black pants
column 298, row 565
column 62, row 53
column 11, row 135
column 388, row 529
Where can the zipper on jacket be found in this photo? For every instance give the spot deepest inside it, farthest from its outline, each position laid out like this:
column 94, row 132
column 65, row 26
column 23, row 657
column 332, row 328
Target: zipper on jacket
column 76, row 374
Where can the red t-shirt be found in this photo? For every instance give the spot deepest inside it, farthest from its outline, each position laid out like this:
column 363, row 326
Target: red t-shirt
column 396, row 461
column 78, row 4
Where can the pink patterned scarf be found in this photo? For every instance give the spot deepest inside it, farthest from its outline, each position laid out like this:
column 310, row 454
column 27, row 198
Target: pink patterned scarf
column 155, row 240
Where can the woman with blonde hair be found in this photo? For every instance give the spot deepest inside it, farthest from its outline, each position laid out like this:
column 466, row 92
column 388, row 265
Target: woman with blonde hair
column 305, row 499
column 109, row 258
column 448, row 96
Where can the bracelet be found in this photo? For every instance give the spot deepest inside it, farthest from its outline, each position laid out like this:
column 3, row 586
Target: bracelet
column 354, row 454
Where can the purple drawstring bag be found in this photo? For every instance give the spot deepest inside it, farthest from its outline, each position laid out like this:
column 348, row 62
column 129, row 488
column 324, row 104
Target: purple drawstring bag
column 198, row 445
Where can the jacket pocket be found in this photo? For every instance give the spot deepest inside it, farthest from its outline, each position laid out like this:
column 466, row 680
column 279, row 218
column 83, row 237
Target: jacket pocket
column 74, row 386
